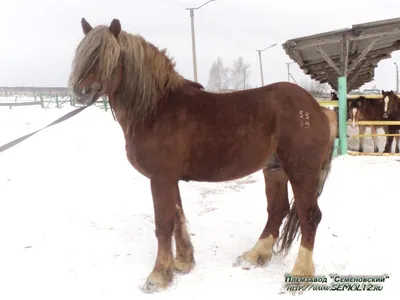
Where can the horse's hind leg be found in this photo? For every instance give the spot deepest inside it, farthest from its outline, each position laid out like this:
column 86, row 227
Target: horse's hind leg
column 307, row 178
column 310, row 215
column 277, row 207
column 184, row 261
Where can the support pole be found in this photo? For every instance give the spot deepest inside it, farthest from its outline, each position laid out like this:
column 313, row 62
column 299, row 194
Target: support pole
column 261, row 69
column 193, row 46
column 342, row 84
column 397, row 78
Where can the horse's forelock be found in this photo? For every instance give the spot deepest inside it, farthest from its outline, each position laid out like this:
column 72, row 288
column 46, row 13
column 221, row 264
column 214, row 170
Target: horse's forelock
column 99, row 47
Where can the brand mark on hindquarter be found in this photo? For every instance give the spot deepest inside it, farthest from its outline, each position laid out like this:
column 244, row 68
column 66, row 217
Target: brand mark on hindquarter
column 304, row 119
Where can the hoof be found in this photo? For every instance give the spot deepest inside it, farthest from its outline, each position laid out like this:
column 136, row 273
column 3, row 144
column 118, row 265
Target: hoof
column 183, row 267
column 246, row 262
column 303, row 271
column 376, row 150
column 156, row 282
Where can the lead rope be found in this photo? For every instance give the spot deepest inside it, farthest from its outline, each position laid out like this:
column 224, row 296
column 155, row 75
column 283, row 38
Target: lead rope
column 59, row 120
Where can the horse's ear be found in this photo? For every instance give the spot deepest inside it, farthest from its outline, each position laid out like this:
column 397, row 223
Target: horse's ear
column 115, row 27
column 383, row 92
column 86, row 26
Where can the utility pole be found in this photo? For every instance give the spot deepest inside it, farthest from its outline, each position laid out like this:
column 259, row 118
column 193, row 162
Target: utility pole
column 397, row 78
column 259, row 58
column 289, row 75
column 244, row 79
column 191, row 9
column 288, row 70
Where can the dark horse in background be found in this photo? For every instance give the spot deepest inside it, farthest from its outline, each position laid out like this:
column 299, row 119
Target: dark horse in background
column 362, row 109
column 334, row 96
column 391, row 112
column 175, row 130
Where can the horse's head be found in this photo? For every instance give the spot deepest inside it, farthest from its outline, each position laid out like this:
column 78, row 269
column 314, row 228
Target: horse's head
column 355, row 110
column 392, row 103
column 334, row 96
column 97, row 67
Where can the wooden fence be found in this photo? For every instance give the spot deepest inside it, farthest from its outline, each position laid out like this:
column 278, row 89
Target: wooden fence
column 49, row 101
column 335, row 103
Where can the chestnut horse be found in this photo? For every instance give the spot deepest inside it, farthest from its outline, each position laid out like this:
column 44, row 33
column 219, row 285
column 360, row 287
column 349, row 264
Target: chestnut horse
column 174, row 130
column 362, row 109
column 391, row 112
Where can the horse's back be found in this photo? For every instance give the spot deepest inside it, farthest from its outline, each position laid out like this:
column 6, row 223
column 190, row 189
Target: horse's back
column 241, row 129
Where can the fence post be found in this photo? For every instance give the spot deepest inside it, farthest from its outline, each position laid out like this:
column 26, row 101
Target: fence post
column 105, row 103
column 57, row 103
column 71, row 100
column 342, row 84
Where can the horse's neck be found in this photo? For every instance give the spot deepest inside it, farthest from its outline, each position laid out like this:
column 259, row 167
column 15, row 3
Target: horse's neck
column 397, row 104
column 371, row 106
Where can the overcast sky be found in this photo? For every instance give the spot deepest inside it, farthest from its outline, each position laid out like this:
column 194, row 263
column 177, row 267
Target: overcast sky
column 38, row 37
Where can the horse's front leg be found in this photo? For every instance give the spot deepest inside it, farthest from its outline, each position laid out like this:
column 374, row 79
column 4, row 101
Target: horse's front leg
column 165, row 193
column 374, row 131
column 389, row 140
column 361, row 130
column 397, row 139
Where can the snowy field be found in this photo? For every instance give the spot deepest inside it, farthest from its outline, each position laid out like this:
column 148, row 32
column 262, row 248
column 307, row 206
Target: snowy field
column 76, row 220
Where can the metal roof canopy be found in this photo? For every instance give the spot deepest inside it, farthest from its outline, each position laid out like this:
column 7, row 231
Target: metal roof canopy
column 353, row 52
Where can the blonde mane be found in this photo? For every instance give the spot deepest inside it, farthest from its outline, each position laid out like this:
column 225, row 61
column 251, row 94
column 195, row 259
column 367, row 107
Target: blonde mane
column 148, row 73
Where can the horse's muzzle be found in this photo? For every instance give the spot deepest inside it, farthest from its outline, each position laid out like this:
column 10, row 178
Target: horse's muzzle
column 87, row 95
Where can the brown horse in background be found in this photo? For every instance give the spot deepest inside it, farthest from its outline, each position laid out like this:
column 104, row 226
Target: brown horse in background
column 391, row 112
column 174, row 130
column 362, row 109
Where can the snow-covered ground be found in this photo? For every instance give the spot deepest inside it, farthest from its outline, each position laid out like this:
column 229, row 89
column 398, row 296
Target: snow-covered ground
column 76, row 220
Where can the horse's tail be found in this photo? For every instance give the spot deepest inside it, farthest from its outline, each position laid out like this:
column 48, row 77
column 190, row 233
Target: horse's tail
column 292, row 224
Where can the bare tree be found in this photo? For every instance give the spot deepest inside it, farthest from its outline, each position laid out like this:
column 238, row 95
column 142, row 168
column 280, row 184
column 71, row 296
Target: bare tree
column 218, row 78
column 239, row 75
column 315, row 88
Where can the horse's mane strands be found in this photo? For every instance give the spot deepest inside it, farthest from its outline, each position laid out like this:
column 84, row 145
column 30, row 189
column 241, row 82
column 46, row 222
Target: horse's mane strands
column 148, row 74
